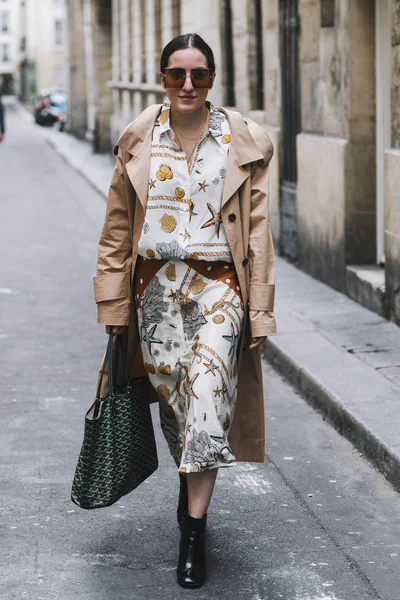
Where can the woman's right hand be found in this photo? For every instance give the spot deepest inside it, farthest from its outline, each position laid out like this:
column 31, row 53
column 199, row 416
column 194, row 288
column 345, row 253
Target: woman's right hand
column 117, row 329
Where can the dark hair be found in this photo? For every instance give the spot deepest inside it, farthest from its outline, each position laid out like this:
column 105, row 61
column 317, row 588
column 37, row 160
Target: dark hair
column 187, row 40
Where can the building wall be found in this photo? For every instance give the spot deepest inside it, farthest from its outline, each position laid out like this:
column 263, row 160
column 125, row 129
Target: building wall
column 43, row 47
column 338, row 140
column 10, row 39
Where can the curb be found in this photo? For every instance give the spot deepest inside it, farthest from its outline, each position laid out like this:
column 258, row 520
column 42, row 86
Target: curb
column 331, row 409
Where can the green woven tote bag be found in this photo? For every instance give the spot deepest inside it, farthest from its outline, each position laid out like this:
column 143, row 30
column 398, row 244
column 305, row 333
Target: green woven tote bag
column 119, row 449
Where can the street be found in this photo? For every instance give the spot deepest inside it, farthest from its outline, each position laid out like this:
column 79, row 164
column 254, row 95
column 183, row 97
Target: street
column 315, row 522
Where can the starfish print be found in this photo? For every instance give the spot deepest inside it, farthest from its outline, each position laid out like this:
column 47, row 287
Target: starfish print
column 189, row 387
column 203, row 186
column 217, row 392
column 232, row 339
column 152, row 183
column 211, row 367
column 186, row 235
column 174, row 295
column 215, row 219
column 195, row 349
column 191, row 211
column 150, row 339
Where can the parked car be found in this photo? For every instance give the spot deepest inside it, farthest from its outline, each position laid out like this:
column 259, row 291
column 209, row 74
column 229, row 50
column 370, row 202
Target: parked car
column 51, row 108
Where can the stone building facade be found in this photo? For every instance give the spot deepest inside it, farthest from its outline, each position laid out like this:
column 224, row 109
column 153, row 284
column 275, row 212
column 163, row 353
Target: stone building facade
column 321, row 76
column 9, row 20
column 42, row 47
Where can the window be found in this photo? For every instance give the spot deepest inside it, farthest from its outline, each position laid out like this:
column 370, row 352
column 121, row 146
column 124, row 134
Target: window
column 4, row 52
column 4, row 21
column 59, row 32
column 328, row 13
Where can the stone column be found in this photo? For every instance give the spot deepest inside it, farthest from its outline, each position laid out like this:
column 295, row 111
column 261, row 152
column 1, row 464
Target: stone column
column 77, row 87
column 102, row 49
column 272, row 103
column 116, row 62
column 125, row 47
column 137, row 56
column 90, row 70
column 150, row 49
column 166, row 21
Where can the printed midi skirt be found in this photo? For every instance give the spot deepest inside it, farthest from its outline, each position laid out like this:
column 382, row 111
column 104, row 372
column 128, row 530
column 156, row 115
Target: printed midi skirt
column 190, row 316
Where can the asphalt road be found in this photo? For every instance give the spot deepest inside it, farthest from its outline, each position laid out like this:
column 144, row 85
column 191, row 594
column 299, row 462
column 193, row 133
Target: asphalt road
column 314, row 522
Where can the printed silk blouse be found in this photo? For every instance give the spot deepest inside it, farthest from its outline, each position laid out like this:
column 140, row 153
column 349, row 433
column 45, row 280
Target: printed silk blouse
column 183, row 214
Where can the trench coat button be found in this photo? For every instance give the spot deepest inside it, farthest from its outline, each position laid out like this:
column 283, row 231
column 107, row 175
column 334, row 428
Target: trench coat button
column 245, row 262
column 232, row 217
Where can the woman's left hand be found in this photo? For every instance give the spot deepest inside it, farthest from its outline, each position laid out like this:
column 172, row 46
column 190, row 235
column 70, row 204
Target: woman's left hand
column 255, row 342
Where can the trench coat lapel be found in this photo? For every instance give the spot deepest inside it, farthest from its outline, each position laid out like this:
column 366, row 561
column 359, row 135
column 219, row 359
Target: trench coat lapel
column 137, row 141
column 138, row 170
column 243, row 151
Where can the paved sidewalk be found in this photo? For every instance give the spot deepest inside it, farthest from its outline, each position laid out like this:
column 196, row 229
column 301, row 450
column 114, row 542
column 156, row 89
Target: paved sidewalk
column 343, row 358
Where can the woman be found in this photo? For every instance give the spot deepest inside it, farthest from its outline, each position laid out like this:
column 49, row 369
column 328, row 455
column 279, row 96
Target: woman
column 186, row 274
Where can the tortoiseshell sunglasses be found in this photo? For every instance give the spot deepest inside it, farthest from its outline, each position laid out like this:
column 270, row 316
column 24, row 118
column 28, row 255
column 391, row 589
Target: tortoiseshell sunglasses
column 174, row 77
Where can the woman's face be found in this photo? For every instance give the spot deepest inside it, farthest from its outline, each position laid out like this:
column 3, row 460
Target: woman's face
column 187, row 99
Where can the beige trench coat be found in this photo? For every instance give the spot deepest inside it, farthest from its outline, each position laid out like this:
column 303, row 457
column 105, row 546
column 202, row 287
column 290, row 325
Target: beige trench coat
column 245, row 217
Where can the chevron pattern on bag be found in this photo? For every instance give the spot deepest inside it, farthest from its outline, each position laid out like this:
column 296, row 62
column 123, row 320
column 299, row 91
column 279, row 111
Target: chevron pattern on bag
column 119, row 449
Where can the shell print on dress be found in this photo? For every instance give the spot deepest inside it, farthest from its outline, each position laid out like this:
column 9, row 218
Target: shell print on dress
column 164, row 391
column 216, row 120
column 198, row 286
column 202, row 448
column 164, row 172
column 164, row 369
column 193, row 318
column 168, row 345
column 170, row 272
column 171, row 250
column 164, row 116
column 168, row 223
column 152, row 303
column 218, row 319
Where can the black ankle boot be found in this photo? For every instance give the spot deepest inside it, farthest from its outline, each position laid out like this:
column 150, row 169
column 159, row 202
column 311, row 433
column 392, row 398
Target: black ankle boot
column 183, row 499
column 191, row 571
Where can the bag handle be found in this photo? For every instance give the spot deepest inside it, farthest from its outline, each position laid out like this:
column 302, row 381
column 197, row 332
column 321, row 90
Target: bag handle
column 109, row 361
column 124, row 360
column 106, row 361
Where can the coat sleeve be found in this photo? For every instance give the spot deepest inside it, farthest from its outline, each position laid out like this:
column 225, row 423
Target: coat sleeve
column 261, row 253
column 113, row 280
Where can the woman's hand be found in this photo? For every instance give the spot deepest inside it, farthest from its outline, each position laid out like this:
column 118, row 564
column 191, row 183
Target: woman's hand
column 257, row 341
column 117, row 329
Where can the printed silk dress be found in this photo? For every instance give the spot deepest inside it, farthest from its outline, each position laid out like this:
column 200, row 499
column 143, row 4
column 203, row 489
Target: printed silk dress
column 189, row 304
